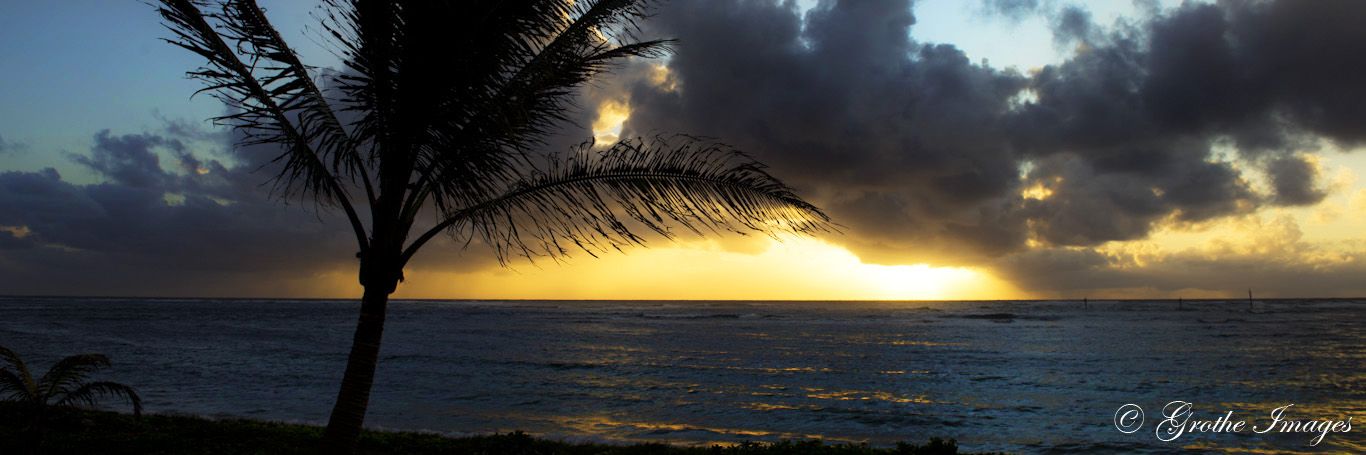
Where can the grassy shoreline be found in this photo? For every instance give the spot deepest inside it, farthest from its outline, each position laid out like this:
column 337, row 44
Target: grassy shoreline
column 85, row 432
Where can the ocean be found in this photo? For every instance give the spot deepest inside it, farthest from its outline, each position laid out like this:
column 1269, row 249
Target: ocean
column 1030, row 377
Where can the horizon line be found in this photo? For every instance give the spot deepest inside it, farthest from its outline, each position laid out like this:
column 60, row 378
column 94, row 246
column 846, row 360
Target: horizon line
column 1084, row 299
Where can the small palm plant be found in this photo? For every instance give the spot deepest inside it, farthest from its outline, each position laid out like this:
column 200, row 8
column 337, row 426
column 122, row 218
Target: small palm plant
column 63, row 386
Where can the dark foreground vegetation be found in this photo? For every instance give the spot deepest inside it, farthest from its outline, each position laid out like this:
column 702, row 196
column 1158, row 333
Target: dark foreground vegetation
column 73, row 431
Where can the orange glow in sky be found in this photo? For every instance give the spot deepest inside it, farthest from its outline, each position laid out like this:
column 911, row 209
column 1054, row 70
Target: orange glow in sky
column 729, row 269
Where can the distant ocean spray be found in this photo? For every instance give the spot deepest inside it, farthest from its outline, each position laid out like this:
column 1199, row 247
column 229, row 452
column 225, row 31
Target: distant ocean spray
column 1029, row 377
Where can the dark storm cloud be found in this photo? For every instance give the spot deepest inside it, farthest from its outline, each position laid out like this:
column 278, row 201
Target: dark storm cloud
column 1087, row 207
column 129, row 159
column 1074, row 273
column 1302, row 59
column 889, row 133
column 919, row 151
column 122, row 236
column 1293, row 178
column 1071, row 25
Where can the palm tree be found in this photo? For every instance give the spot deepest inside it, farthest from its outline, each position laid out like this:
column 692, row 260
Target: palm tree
column 64, row 385
column 445, row 102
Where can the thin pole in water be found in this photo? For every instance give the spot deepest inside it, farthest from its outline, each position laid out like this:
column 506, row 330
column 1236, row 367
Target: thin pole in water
column 1180, row 304
column 1249, row 299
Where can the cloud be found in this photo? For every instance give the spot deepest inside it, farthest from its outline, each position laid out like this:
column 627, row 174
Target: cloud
column 11, row 146
column 1072, row 24
column 1088, row 206
column 129, row 159
column 1294, row 179
column 1294, row 57
column 1267, row 254
column 124, row 236
column 927, row 156
column 171, row 218
column 1012, row 9
column 886, row 133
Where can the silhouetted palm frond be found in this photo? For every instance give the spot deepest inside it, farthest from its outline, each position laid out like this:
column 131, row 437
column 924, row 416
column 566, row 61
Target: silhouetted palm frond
column 13, row 387
column 69, row 373
column 90, row 393
column 17, row 385
column 272, row 96
column 65, row 383
column 290, row 84
column 661, row 183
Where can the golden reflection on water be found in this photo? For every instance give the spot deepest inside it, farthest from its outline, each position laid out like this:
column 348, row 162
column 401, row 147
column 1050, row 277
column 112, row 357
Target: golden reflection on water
column 760, row 406
column 1260, row 413
column 1210, row 447
column 861, row 395
column 622, row 382
column 922, row 343
column 628, row 429
column 610, row 348
column 765, row 391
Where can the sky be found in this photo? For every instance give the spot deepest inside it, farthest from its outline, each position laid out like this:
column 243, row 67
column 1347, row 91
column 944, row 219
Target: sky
column 984, row 149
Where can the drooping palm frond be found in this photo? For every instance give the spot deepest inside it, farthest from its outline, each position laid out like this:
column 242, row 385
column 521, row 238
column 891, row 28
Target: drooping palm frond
column 290, row 84
column 65, row 383
column 664, row 183
column 70, row 372
column 14, row 388
column 280, row 106
column 485, row 125
column 90, row 393
column 17, row 384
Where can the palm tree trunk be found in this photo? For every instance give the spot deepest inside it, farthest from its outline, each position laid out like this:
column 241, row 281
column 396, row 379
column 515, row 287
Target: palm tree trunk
column 35, row 430
column 348, row 415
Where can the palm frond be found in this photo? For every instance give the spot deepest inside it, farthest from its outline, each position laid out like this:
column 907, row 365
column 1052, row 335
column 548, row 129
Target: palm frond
column 561, row 48
column 535, row 59
column 368, row 32
column 665, row 183
column 23, row 379
column 89, row 394
column 289, row 82
column 70, row 372
column 15, row 388
column 488, row 144
column 281, row 107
